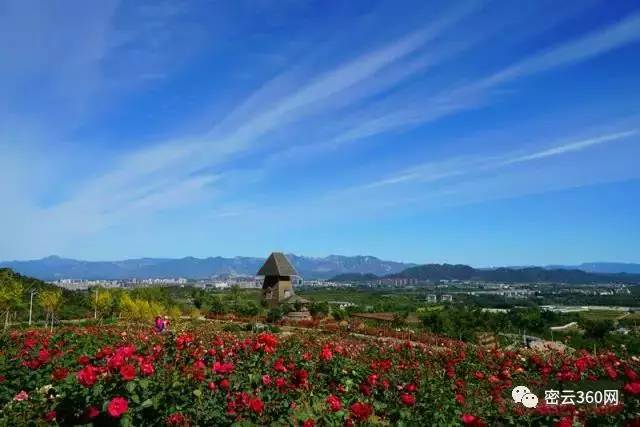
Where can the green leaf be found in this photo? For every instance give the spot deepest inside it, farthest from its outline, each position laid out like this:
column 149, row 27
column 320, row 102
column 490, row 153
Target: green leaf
column 131, row 386
column 147, row 403
column 197, row 393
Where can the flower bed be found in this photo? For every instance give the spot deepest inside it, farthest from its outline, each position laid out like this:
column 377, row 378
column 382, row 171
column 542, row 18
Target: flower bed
column 201, row 376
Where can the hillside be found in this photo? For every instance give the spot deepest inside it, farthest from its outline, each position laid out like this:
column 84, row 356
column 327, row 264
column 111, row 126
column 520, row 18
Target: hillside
column 75, row 304
column 603, row 267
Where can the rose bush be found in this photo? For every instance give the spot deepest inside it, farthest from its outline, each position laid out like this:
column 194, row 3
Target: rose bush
column 201, row 376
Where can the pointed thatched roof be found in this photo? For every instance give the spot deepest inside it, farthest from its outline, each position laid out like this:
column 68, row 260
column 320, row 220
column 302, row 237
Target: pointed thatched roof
column 277, row 265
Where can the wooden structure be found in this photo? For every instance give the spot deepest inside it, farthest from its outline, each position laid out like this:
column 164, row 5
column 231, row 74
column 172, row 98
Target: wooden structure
column 277, row 287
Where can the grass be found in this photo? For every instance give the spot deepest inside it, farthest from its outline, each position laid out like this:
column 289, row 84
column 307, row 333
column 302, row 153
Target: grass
column 601, row 314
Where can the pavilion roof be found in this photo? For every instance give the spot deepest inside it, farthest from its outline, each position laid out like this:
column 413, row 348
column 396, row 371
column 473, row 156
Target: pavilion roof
column 277, row 265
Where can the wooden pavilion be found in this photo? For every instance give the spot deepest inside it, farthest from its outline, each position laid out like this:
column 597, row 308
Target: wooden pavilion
column 277, row 287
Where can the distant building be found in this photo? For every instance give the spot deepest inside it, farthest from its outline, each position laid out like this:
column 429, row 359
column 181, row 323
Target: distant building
column 446, row 298
column 341, row 304
column 432, row 298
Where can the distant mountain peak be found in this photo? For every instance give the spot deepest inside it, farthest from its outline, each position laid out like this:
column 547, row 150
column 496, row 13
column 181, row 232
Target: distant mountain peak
column 53, row 267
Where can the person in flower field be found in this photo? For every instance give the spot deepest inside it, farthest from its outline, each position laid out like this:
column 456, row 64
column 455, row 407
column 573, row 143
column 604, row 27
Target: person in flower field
column 159, row 324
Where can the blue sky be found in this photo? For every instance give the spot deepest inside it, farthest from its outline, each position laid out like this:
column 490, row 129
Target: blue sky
column 478, row 132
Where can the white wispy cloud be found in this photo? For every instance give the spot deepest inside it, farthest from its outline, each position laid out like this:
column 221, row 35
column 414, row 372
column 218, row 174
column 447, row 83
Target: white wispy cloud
column 152, row 178
column 573, row 146
column 440, row 170
column 471, row 95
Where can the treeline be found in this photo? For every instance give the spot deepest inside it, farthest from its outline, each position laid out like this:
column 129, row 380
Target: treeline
column 48, row 302
column 21, row 296
column 467, row 323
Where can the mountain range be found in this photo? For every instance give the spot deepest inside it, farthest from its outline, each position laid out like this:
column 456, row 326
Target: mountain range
column 344, row 267
column 54, row 267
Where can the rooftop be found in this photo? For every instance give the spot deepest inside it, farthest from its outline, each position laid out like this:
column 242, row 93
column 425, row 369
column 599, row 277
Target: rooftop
column 277, row 265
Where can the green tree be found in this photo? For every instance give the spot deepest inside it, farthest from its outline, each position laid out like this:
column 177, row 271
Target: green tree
column 274, row 315
column 319, row 309
column 596, row 329
column 103, row 302
column 216, row 305
column 10, row 294
column 50, row 301
column 339, row 314
column 248, row 309
column 235, row 293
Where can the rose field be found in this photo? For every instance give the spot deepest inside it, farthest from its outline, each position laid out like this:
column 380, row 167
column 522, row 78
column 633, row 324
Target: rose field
column 201, row 375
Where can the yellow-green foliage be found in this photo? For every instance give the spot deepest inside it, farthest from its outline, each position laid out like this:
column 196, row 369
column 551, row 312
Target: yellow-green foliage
column 139, row 309
column 175, row 313
column 10, row 291
column 103, row 302
column 50, row 300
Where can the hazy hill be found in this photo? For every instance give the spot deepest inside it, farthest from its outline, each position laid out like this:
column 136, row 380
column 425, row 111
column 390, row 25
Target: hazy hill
column 52, row 268
column 603, row 267
column 507, row 275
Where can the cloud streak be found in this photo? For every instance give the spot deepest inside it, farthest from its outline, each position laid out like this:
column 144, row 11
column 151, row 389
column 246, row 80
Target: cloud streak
column 437, row 171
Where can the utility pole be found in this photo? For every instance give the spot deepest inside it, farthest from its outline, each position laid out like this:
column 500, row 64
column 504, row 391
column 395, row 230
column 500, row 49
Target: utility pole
column 33, row 291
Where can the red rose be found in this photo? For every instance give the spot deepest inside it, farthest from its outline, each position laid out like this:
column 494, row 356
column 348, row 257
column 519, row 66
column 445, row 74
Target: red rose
column 468, row 419
column 361, row 411
column 84, row 360
column 147, row 368
column 91, row 412
column 59, row 374
column 611, row 372
column 128, row 372
column 633, row 388
column 176, row 419
column 460, row 399
column 224, row 384
column 472, row 420
column 279, row 366
column 564, row 422
column 117, row 406
column 408, row 399
column 256, row 405
column 266, row 379
column 411, row 388
column 44, row 356
column 326, row 354
column 280, row 382
column 365, row 389
column 212, row 386
column 334, row 403
column 87, row 376
column 50, row 416
column 308, row 423
column 223, row 368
